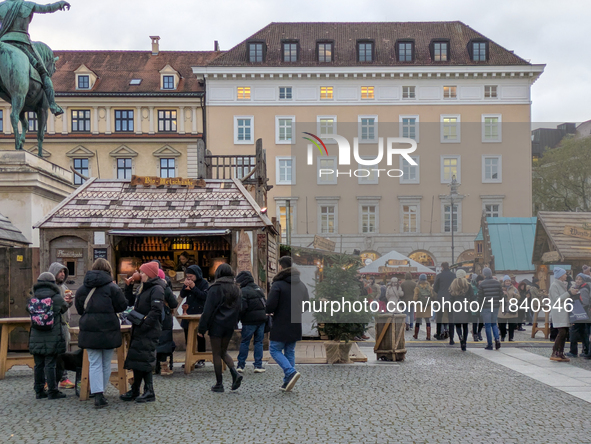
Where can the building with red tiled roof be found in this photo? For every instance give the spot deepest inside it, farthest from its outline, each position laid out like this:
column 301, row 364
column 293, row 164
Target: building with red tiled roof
column 462, row 98
column 126, row 112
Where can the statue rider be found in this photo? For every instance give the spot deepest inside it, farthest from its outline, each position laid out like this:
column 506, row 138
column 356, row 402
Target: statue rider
column 15, row 16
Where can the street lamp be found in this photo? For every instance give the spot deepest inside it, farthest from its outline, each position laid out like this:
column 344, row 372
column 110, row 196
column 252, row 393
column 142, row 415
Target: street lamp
column 453, row 192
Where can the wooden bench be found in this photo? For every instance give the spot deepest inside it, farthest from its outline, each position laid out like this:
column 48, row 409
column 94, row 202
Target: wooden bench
column 7, row 361
column 192, row 356
column 120, row 378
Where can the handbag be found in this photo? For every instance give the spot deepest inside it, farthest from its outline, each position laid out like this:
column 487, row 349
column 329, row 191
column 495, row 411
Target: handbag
column 268, row 324
column 578, row 313
column 136, row 318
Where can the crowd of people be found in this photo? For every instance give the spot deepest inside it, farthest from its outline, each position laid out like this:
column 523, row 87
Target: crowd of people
column 147, row 301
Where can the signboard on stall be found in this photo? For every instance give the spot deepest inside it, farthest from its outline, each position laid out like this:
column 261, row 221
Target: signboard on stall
column 69, row 254
column 581, row 233
column 397, row 269
column 321, row 243
column 99, row 253
column 148, row 181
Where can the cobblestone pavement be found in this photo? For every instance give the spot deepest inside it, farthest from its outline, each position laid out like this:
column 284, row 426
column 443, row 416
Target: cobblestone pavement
column 438, row 395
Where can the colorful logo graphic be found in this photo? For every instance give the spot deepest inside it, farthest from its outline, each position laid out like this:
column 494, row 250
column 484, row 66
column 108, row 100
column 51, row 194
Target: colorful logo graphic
column 314, row 142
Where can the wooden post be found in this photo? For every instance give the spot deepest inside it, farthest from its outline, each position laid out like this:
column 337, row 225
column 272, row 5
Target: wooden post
column 261, row 174
column 201, row 164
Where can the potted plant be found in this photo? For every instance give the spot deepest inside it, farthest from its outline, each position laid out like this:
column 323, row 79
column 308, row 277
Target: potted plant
column 340, row 283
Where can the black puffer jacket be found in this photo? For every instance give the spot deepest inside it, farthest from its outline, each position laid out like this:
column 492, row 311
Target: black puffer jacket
column 144, row 339
column 99, row 325
column 196, row 296
column 51, row 342
column 442, row 283
column 490, row 289
column 253, row 310
column 166, row 343
column 222, row 307
column 285, row 300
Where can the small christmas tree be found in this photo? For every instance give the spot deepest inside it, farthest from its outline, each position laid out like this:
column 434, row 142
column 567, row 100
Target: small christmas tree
column 341, row 283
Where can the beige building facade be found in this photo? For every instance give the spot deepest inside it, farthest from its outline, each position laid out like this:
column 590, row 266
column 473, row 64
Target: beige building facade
column 464, row 100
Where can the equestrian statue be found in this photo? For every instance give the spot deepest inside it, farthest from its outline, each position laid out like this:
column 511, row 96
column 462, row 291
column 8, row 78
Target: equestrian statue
column 26, row 68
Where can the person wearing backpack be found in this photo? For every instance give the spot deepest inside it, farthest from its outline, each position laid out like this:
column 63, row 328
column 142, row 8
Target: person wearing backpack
column 46, row 339
column 423, row 297
column 253, row 316
column 98, row 301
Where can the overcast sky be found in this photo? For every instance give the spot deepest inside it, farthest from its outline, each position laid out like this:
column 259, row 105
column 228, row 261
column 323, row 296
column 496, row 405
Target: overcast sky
column 551, row 32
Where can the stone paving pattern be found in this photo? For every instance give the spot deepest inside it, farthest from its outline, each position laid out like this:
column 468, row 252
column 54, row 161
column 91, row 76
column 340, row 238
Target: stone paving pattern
column 438, row 395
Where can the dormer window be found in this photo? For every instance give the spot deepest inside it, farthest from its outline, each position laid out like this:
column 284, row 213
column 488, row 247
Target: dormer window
column 83, row 82
column 479, row 51
column 324, row 52
column 405, row 51
column 440, row 51
column 135, row 82
column 290, row 51
column 167, row 82
column 256, row 52
column 365, row 51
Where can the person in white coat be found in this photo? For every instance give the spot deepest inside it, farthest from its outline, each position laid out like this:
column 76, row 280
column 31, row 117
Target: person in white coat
column 394, row 291
column 559, row 295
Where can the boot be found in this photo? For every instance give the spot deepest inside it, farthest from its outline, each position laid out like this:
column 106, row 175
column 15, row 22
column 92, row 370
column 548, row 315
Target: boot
column 165, row 370
column 135, row 388
column 100, row 401
column 236, row 379
column 407, row 327
column 554, row 356
column 497, row 345
column 563, row 358
column 218, row 388
column 416, row 335
column 149, row 395
column 475, row 337
column 50, row 94
column 428, row 333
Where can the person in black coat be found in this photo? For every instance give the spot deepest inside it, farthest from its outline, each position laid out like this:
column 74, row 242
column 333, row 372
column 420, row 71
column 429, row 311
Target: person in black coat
column 285, row 301
column 253, row 316
column 219, row 318
column 195, row 290
column 100, row 331
column 141, row 356
column 441, row 289
column 46, row 345
column 166, row 345
column 490, row 293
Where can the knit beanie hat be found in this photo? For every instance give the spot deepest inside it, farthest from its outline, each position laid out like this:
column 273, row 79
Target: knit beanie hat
column 585, row 268
column 150, row 269
column 460, row 273
column 46, row 277
column 423, row 277
column 558, row 272
column 487, row 272
column 506, row 278
column 161, row 274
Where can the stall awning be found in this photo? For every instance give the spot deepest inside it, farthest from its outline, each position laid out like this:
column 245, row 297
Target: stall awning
column 169, row 232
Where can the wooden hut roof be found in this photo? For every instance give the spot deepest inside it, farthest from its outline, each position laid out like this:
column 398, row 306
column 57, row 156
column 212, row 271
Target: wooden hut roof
column 554, row 232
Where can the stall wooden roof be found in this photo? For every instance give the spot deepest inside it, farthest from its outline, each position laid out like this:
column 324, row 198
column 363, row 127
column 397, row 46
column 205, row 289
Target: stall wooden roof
column 550, row 236
column 112, row 204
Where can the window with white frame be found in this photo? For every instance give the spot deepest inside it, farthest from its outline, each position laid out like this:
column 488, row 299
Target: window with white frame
column 284, row 126
column 285, row 93
column 450, row 129
column 440, row 51
column 327, row 125
column 369, row 218
column 243, row 92
column 284, row 170
column 448, row 220
column 492, row 210
column 450, row 167
column 490, row 91
column 326, row 170
column 243, row 129
column 326, row 93
column 367, row 174
column 168, row 82
column 409, row 127
column 367, row 92
column 368, row 129
column 491, row 169
column 327, row 218
column 450, row 92
column 410, row 173
column 410, row 218
column 282, row 211
column 83, row 82
column 491, row 128
column 408, row 92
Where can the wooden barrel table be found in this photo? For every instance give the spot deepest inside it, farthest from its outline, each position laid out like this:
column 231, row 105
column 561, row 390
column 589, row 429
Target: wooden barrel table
column 390, row 343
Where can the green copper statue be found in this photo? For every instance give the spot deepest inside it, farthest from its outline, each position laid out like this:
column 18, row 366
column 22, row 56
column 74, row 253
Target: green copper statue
column 26, row 68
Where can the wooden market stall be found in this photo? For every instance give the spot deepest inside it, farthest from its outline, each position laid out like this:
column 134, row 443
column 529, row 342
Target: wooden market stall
column 206, row 221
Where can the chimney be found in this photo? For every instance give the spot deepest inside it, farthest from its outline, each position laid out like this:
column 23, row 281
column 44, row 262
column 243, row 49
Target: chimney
column 216, row 46
column 155, row 45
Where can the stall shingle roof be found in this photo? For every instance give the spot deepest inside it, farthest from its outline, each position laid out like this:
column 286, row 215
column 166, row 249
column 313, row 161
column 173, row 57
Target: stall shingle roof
column 9, row 234
column 550, row 231
column 115, row 204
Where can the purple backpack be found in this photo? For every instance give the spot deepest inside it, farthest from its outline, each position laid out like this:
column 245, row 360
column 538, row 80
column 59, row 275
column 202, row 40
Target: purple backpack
column 41, row 310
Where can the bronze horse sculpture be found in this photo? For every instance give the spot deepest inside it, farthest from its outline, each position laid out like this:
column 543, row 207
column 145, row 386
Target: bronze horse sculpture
column 21, row 86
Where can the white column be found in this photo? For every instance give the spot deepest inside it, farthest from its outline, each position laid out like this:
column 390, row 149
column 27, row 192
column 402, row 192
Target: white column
column 65, row 120
column 95, row 128
column 108, row 113
column 138, row 120
column 194, row 119
column 151, row 108
column 6, row 120
column 51, row 123
column 182, row 120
